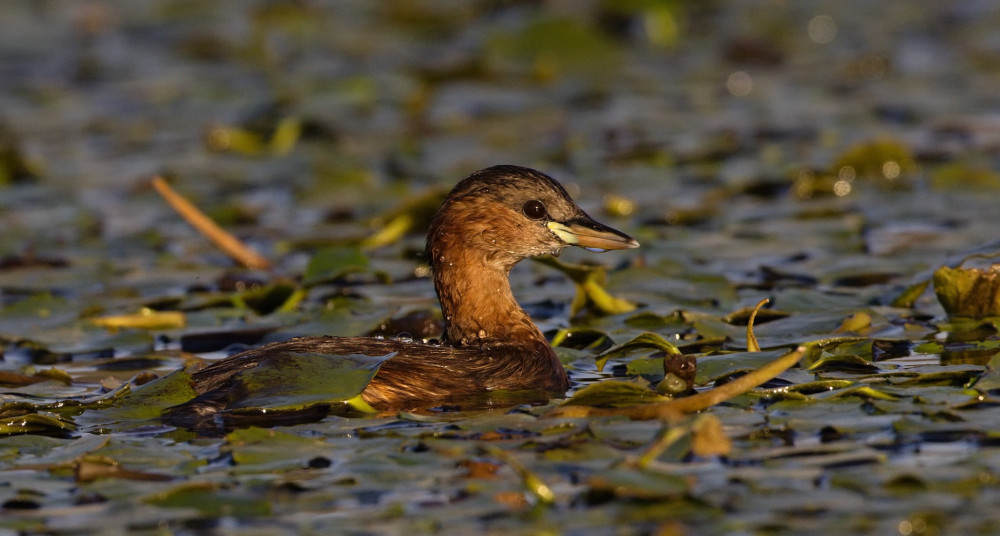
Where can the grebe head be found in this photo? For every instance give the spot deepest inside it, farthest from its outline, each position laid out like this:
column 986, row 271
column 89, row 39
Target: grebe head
column 508, row 213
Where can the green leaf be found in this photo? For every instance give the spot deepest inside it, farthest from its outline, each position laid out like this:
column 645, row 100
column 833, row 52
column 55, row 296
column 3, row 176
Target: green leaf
column 752, row 344
column 955, row 378
column 644, row 340
column 968, row 292
column 286, row 135
column 266, row 449
column 36, row 423
column 589, row 281
column 807, row 388
column 414, row 214
column 553, row 47
column 614, row 393
column 149, row 399
column 910, row 294
column 267, row 298
column 961, row 176
column 211, row 500
column 861, row 391
column 145, row 402
column 989, row 380
column 645, row 366
column 843, row 363
column 714, row 367
column 639, row 484
column 871, row 158
column 292, row 381
column 333, row 263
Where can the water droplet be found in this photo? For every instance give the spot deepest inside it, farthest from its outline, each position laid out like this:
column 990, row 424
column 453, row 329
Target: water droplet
column 595, row 250
column 404, row 337
column 379, row 337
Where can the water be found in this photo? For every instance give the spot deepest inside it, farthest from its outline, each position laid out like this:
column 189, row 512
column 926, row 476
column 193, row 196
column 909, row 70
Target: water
column 824, row 155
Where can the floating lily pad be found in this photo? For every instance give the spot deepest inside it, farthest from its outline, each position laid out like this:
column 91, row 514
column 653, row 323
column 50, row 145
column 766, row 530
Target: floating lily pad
column 742, row 181
column 334, row 263
column 211, row 500
column 611, row 393
column 296, row 381
column 715, row 367
column 643, row 485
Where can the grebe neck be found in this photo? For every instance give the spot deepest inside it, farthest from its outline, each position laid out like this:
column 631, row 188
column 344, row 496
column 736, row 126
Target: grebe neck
column 478, row 305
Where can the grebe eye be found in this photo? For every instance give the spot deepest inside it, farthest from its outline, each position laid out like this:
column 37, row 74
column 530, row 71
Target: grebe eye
column 534, row 209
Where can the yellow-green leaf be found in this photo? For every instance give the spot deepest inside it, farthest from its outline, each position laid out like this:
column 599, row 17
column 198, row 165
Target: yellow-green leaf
column 752, row 345
column 589, row 281
column 145, row 319
column 614, row 393
column 644, row 340
column 968, row 292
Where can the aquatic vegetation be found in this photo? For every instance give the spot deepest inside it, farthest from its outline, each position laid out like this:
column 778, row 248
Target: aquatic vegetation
column 839, row 162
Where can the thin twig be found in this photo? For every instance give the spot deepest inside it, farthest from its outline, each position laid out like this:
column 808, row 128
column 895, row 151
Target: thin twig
column 674, row 409
column 229, row 244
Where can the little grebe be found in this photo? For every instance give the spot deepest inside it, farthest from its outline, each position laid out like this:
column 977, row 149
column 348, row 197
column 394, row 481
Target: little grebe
column 489, row 222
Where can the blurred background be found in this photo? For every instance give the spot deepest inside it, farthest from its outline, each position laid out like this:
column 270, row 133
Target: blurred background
column 821, row 135
column 392, row 97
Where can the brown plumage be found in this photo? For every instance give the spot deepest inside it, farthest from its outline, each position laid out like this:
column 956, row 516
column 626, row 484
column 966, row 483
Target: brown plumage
column 489, row 222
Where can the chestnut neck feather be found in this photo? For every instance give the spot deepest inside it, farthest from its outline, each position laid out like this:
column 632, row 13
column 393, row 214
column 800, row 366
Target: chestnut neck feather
column 471, row 269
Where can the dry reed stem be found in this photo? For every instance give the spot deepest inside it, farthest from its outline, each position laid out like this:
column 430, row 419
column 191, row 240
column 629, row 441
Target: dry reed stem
column 229, row 244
